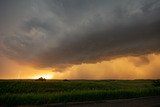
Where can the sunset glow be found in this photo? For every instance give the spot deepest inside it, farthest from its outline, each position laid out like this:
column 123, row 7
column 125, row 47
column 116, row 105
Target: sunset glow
column 130, row 67
column 46, row 76
column 100, row 39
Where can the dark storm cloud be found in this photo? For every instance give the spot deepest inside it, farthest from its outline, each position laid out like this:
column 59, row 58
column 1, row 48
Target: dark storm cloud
column 97, row 46
column 63, row 33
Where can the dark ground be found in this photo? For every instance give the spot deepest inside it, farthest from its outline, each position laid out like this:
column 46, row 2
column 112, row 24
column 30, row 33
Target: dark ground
column 91, row 93
column 153, row 101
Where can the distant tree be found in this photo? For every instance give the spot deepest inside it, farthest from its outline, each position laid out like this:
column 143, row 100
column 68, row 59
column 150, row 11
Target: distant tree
column 65, row 80
column 41, row 79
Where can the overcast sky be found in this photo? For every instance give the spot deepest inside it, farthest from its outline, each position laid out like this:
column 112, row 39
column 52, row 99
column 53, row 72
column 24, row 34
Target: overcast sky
column 62, row 33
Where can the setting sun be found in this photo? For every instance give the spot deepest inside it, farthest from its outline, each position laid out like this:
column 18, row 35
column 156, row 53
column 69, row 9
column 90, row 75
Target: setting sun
column 46, row 76
column 80, row 53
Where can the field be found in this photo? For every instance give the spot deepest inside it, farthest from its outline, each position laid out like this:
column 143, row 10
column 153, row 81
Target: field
column 31, row 92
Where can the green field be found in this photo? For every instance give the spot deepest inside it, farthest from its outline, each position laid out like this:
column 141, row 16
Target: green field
column 31, row 92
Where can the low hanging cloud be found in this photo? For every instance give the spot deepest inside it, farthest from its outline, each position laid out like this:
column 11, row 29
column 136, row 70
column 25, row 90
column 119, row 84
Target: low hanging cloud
column 64, row 33
column 140, row 61
column 129, row 67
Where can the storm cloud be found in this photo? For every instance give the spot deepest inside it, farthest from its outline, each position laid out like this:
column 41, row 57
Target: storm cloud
column 62, row 33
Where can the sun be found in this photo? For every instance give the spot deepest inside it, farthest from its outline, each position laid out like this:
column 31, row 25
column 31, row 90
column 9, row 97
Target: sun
column 46, row 76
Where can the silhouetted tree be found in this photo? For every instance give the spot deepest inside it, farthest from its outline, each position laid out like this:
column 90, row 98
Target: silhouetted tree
column 41, row 79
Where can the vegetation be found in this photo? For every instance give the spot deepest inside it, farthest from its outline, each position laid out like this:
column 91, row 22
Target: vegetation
column 156, row 83
column 24, row 92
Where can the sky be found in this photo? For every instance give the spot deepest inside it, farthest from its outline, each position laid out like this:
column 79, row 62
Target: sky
column 80, row 39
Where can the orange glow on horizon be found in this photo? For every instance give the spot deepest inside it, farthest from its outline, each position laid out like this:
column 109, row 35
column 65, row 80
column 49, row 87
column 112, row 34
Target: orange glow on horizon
column 46, row 76
column 141, row 67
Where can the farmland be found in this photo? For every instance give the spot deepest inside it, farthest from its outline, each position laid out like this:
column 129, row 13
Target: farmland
column 31, row 92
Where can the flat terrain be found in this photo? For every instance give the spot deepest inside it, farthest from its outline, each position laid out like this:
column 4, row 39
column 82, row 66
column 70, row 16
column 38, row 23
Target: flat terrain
column 133, row 102
column 152, row 101
column 31, row 92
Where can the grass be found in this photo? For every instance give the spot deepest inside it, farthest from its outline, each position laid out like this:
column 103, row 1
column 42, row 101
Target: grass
column 30, row 92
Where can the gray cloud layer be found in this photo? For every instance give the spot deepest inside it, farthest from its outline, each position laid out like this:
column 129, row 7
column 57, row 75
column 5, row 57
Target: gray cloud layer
column 61, row 33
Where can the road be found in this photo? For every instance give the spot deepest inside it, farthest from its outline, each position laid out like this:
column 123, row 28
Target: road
column 153, row 101
column 135, row 102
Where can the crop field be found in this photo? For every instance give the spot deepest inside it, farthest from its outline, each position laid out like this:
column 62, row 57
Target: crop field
column 31, row 92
